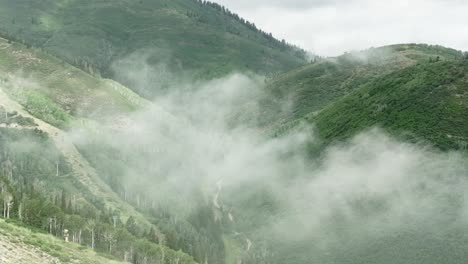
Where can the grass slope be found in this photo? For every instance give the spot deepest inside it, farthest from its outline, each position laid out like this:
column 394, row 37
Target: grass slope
column 57, row 92
column 23, row 246
column 186, row 35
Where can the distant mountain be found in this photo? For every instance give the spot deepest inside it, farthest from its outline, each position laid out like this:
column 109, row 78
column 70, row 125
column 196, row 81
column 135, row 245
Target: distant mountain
column 198, row 38
column 312, row 87
column 339, row 95
column 428, row 101
column 416, row 93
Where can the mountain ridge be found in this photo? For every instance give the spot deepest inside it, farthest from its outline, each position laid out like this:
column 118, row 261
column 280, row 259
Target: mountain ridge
column 202, row 39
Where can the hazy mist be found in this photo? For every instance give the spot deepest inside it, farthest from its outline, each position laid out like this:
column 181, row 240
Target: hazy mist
column 196, row 146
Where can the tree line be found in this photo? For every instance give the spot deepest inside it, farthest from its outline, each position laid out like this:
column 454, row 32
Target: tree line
column 281, row 44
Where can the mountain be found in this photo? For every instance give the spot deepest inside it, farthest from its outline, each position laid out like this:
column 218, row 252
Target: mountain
column 46, row 183
column 415, row 93
column 198, row 38
column 219, row 174
column 309, row 89
column 426, row 102
column 67, row 162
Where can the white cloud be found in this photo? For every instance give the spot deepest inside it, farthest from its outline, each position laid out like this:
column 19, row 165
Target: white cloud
column 333, row 27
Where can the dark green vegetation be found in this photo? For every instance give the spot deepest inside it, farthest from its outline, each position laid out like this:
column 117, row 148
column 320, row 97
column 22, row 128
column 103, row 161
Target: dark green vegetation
column 309, row 89
column 60, row 94
column 418, row 92
column 425, row 102
column 199, row 38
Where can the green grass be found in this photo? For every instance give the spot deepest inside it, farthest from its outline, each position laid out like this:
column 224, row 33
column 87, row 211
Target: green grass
column 57, row 92
column 66, row 252
column 44, row 108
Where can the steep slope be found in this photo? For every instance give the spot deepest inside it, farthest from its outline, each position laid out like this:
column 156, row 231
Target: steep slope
column 200, row 38
column 416, row 93
column 83, row 194
column 424, row 102
column 57, row 92
column 307, row 90
column 44, row 178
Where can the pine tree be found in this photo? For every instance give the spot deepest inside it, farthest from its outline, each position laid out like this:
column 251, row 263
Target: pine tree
column 132, row 226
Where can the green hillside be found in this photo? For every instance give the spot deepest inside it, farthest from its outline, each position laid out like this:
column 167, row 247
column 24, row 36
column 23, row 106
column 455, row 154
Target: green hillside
column 208, row 177
column 200, row 39
column 57, row 92
column 43, row 190
column 310, row 88
column 417, row 92
column 45, row 177
column 425, row 102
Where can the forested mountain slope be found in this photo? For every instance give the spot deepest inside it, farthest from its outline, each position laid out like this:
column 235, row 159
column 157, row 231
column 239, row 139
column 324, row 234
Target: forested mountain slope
column 414, row 91
column 425, row 102
column 45, row 182
column 308, row 89
column 133, row 181
column 200, row 39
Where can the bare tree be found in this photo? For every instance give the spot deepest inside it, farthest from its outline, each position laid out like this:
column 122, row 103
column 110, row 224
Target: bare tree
column 109, row 238
column 7, row 204
column 91, row 226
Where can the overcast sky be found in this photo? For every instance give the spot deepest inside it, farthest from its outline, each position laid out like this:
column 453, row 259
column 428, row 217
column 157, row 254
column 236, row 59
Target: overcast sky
column 331, row 27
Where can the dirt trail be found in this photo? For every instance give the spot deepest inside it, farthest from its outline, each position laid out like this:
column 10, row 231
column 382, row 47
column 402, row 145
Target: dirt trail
column 218, row 205
column 13, row 251
column 4, row 46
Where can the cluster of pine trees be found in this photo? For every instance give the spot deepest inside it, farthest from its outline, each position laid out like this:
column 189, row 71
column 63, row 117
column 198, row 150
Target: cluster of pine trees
column 272, row 41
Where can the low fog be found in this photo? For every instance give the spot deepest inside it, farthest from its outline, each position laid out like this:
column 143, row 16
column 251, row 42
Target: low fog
column 372, row 198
